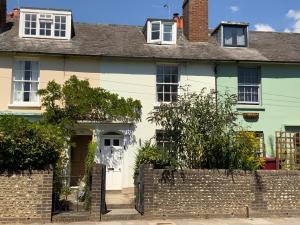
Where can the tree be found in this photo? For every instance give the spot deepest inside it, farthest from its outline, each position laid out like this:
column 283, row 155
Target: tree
column 77, row 101
column 204, row 133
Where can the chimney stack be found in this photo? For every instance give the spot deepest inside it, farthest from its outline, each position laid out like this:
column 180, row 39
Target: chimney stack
column 195, row 20
column 178, row 19
column 3, row 14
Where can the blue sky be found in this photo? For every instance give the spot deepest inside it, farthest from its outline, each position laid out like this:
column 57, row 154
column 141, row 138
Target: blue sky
column 279, row 15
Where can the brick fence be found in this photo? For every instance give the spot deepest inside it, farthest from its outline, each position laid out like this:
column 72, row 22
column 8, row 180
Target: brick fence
column 205, row 193
column 25, row 196
column 98, row 192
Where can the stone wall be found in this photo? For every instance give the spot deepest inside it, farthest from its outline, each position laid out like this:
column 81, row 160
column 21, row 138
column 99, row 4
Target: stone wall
column 25, row 196
column 205, row 193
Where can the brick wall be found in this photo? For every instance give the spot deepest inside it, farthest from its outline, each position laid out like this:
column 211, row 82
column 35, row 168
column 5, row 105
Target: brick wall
column 195, row 20
column 26, row 197
column 98, row 192
column 204, row 193
column 2, row 13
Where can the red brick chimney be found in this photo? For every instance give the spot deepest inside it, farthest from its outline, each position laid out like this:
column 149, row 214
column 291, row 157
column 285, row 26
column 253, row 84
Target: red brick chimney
column 3, row 13
column 195, row 20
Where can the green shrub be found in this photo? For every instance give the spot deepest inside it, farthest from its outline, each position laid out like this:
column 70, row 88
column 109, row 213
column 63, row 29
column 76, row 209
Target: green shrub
column 89, row 164
column 158, row 157
column 28, row 145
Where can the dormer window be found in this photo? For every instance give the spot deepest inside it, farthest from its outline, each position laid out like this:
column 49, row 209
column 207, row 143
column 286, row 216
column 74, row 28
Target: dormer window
column 161, row 31
column 232, row 34
column 235, row 36
column 41, row 23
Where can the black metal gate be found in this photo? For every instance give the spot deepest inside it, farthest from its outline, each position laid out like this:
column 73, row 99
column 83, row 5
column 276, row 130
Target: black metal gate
column 139, row 190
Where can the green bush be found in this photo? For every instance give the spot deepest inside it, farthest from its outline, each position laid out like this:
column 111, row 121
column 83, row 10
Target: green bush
column 89, row 164
column 158, row 157
column 28, row 145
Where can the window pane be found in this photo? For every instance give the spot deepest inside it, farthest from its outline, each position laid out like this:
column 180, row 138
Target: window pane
column 107, row 142
column 160, row 97
column 48, row 33
column 228, row 35
column 167, row 97
column 167, row 88
column 27, row 24
column 167, row 37
column 33, row 32
column 56, row 33
column 57, row 26
column 116, row 142
column 33, row 17
column 26, row 86
column 27, row 75
column 27, row 31
column 42, row 32
column 63, row 34
column 168, row 28
column 241, row 37
column 63, row 19
column 175, row 79
column 33, row 97
column 34, row 87
column 167, row 79
column 155, row 35
column 155, row 27
column 174, row 88
column 174, row 97
column 27, row 17
column 63, row 26
column 26, row 96
column 160, row 70
column 160, row 88
column 159, row 79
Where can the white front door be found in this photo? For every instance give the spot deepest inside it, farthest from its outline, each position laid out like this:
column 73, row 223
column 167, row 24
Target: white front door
column 112, row 153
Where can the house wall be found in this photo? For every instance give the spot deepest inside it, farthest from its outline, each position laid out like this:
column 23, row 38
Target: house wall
column 56, row 68
column 137, row 79
column 280, row 99
column 128, row 78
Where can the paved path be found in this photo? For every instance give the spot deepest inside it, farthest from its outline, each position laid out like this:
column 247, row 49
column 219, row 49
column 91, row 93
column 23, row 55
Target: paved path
column 264, row 221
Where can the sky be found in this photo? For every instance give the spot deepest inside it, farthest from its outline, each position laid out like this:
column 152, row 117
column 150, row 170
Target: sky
column 263, row 15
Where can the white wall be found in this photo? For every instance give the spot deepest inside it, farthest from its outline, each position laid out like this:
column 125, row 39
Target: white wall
column 137, row 79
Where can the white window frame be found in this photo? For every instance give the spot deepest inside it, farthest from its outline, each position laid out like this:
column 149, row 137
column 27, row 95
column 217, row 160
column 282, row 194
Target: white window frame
column 14, row 81
column 40, row 17
column 163, row 83
column 161, row 33
column 250, row 85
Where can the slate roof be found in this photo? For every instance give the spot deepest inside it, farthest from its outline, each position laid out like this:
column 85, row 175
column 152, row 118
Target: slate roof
column 129, row 41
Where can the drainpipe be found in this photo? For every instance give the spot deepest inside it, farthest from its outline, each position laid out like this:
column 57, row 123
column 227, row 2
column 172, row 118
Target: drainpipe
column 216, row 83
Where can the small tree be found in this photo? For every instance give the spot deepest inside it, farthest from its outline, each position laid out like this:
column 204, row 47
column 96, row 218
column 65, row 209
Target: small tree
column 77, row 101
column 204, row 132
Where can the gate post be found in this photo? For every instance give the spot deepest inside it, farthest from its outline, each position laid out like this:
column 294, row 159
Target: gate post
column 97, row 192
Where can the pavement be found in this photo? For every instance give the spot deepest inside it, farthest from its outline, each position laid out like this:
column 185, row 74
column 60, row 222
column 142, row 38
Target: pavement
column 235, row 221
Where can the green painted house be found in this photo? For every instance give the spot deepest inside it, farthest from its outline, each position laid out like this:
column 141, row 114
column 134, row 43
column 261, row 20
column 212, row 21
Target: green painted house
column 266, row 78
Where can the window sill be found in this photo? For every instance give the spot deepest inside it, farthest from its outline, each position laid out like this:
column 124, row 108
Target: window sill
column 250, row 107
column 24, row 105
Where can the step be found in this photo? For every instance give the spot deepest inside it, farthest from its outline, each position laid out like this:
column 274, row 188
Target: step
column 120, row 206
column 121, row 214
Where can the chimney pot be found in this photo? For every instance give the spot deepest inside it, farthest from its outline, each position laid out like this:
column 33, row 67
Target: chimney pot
column 178, row 20
column 195, row 20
